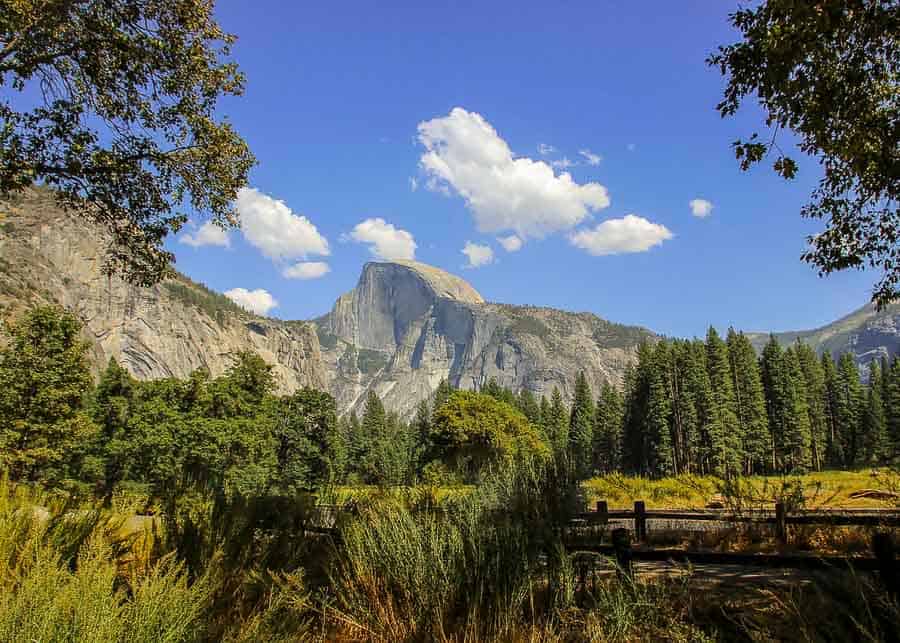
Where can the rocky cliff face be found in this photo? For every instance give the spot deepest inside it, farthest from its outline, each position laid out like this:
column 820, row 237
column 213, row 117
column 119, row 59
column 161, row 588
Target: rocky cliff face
column 867, row 333
column 168, row 330
column 406, row 326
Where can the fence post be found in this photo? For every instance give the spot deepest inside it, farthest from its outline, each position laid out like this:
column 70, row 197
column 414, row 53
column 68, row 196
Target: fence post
column 640, row 521
column 602, row 512
column 622, row 548
column 886, row 555
column 780, row 523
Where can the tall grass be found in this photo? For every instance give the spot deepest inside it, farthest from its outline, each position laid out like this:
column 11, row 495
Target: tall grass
column 474, row 567
column 60, row 580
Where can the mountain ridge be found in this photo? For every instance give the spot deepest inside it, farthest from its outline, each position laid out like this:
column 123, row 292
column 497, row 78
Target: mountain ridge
column 402, row 329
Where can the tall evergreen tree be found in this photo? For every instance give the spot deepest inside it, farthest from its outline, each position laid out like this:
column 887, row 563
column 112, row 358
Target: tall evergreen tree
column 659, row 408
column 723, row 429
column 875, row 443
column 834, row 444
column 581, row 429
column 851, row 403
column 797, row 434
column 607, row 430
column 750, row 402
column 528, row 405
column 892, row 405
column 558, row 423
column 816, row 400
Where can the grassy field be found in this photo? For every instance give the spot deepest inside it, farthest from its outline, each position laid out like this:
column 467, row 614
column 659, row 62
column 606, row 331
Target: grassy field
column 814, row 490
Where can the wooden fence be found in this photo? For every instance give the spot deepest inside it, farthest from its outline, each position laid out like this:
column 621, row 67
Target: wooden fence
column 883, row 559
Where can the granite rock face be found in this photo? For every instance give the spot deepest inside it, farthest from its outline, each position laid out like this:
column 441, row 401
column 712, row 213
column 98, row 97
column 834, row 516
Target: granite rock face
column 168, row 330
column 406, row 326
column 867, row 333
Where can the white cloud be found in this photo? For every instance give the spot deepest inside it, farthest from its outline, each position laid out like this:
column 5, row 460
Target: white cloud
column 512, row 243
column 306, row 270
column 617, row 236
column 209, row 234
column 545, row 149
column 385, row 241
column 413, row 183
column 701, row 208
column 590, row 157
column 464, row 152
column 563, row 163
column 478, row 255
column 631, row 147
column 269, row 225
column 257, row 301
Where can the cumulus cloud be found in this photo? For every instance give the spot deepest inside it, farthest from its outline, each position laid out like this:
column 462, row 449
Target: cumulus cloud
column 590, row 157
column 617, row 236
column 701, row 208
column 512, row 243
column 544, row 149
column 209, row 234
column 385, row 241
column 463, row 152
column 477, row 254
column 257, row 301
column 271, row 226
column 306, row 270
column 413, row 183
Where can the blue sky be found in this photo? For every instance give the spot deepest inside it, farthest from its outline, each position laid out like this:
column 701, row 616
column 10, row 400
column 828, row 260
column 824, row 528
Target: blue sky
column 350, row 104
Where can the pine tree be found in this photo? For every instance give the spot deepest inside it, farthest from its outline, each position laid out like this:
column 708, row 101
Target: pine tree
column 724, row 432
column 816, row 398
column 892, row 405
column 875, row 443
column 693, row 406
column 608, row 429
column 545, row 419
column 834, row 444
column 581, row 429
column 373, row 428
column 659, row 407
column 421, row 430
column 851, row 404
column 635, row 441
column 774, row 378
column 797, row 435
column 750, row 401
column 558, row 423
column 529, row 406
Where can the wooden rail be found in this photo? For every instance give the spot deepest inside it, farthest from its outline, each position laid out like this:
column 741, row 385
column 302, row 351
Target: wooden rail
column 780, row 519
column 883, row 548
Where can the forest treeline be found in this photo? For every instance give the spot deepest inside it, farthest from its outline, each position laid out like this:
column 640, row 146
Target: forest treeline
column 708, row 407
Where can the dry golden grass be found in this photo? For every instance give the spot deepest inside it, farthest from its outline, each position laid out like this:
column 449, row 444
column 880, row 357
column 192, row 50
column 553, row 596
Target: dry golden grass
column 824, row 489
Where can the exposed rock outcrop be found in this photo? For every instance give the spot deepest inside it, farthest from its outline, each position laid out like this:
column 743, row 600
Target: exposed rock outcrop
column 406, row 326
column 167, row 330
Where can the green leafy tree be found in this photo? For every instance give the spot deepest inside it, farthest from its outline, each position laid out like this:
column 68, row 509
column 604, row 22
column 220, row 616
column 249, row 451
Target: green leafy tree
column 111, row 410
column 44, row 379
column 829, row 72
column 310, row 451
column 475, row 433
column 123, row 124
